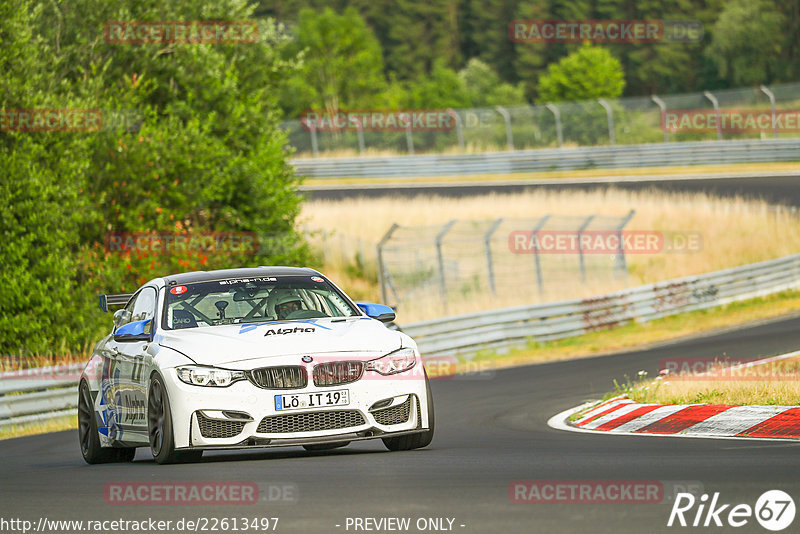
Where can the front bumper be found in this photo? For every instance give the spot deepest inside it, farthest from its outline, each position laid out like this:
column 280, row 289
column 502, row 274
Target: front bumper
column 243, row 415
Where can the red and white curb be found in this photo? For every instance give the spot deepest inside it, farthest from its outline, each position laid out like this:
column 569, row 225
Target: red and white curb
column 621, row 415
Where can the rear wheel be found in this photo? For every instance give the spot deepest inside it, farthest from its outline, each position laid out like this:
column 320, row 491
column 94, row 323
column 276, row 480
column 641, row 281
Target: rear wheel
column 92, row 451
column 420, row 439
column 326, row 446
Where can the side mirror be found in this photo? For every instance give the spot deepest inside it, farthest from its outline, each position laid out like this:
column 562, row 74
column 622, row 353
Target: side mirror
column 134, row 331
column 380, row 312
column 121, row 317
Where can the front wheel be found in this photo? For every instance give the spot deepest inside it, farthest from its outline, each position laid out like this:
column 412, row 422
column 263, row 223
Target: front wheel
column 159, row 427
column 159, row 423
column 420, row 439
column 92, row 451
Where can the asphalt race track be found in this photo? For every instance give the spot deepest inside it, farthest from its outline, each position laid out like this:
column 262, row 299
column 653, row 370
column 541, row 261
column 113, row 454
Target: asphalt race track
column 773, row 189
column 491, row 431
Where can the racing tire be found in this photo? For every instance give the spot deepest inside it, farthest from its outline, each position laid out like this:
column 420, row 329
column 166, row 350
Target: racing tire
column 325, row 446
column 419, row 439
column 88, row 435
column 159, row 427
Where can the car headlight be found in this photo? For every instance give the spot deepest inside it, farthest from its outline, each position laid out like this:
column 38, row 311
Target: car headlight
column 209, row 376
column 395, row 362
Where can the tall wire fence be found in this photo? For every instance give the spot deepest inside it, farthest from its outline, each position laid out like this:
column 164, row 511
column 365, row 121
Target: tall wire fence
column 631, row 120
column 442, row 268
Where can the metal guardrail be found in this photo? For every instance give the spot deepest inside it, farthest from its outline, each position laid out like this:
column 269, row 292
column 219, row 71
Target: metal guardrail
column 466, row 334
column 39, row 394
column 40, row 378
column 34, row 406
column 50, row 392
column 605, row 157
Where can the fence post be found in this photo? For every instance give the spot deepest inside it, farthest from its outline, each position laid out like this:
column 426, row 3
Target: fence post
column 360, row 134
column 583, row 227
column 381, row 266
column 771, row 105
column 487, row 240
column 536, row 260
column 663, row 107
column 459, row 128
column 715, row 103
column 312, row 128
column 440, row 258
column 621, row 262
column 507, row 118
column 557, row 115
column 409, row 138
column 610, row 116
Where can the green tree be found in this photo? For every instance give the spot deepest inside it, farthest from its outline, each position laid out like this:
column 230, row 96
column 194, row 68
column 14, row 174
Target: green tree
column 485, row 88
column 531, row 59
column 747, row 43
column 420, row 34
column 342, row 63
column 483, row 26
column 205, row 153
column 442, row 89
column 665, row 67
column 40, row 220
column 590, row 72
column 790, row 49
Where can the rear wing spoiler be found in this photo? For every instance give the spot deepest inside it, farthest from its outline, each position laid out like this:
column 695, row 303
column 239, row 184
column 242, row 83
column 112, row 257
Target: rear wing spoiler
column 115, row 300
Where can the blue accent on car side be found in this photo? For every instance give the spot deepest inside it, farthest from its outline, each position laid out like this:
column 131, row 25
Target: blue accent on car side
column 374, row 310
column 136, row 328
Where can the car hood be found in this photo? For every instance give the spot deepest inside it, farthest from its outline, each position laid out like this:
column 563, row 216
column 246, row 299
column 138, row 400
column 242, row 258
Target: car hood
column 217, row 345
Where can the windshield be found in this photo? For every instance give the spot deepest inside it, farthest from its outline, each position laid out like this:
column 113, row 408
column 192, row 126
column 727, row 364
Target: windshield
column 247, row 300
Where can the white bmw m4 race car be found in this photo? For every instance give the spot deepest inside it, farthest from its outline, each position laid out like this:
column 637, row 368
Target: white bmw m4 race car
column 240, row 358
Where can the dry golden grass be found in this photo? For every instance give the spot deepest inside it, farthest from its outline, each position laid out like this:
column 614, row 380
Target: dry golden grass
column 69, row 422
column 735, row 231
column 57, row 356
column 782, row 393
column 774, row 383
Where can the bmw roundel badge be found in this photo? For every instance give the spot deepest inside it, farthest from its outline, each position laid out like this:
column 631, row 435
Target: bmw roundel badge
column 307, row 359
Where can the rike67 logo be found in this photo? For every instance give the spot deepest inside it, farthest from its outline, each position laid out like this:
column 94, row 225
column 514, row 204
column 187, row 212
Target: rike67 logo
column 774, row 510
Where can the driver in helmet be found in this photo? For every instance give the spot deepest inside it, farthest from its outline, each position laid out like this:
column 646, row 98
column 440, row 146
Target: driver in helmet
column 287, row 305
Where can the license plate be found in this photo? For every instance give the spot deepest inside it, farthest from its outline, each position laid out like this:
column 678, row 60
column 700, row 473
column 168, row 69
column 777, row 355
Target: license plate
column 299, row 401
